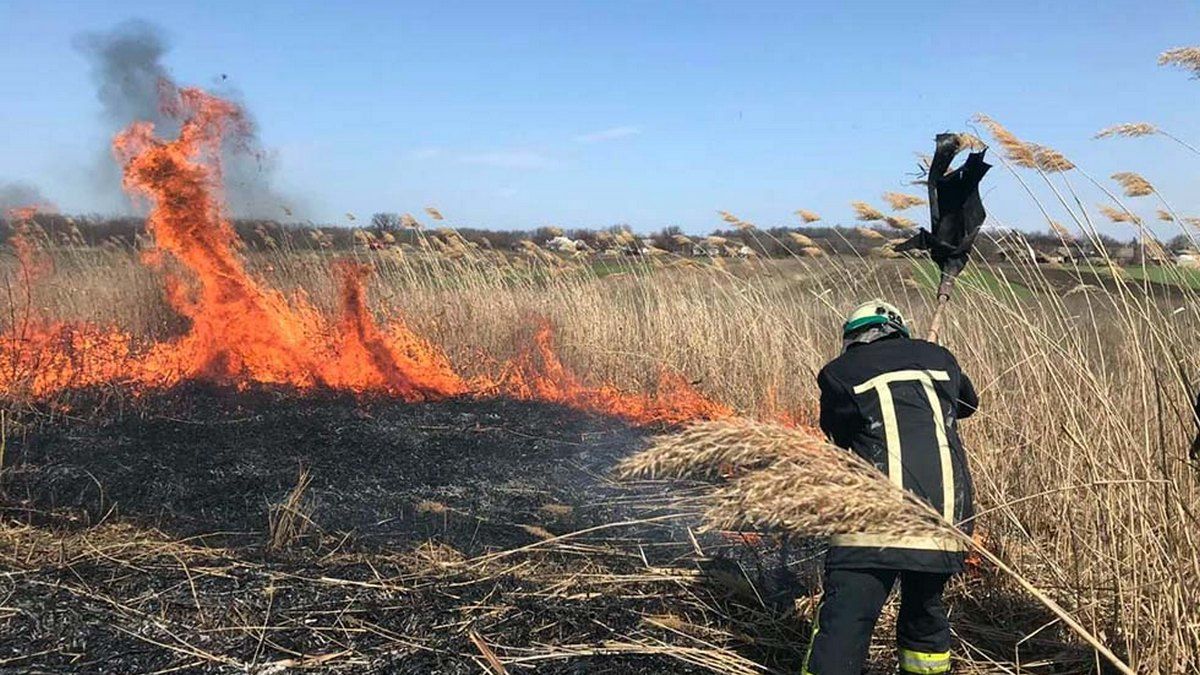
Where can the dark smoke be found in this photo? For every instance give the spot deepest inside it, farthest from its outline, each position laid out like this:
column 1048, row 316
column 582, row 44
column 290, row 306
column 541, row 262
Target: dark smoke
column 16, row 195
column 126, row 65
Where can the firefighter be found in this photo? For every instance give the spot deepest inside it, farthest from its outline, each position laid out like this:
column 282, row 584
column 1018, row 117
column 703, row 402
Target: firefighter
column 896, row 402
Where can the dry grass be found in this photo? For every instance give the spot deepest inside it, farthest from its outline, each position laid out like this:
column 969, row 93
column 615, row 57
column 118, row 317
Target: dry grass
column 801, row 239
column 1128, row 130
column 1133, row 184
column 289, row 521
column 1117, row 215
column 1187, row 58
column 899, row 222
column 971, row 142
column 1078, row 453
column 808, row 216
column 784, row 478
column 1051, row 160
column 353, row 607
column 866, row 212
column 1016, row 151
column 900, row 202
column 1059, row 229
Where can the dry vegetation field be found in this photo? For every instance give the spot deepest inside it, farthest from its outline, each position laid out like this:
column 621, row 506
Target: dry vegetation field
column 444, row 501
column 1080, row 458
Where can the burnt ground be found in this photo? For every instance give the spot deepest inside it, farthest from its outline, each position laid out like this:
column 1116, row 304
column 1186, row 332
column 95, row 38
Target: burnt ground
column 428, row 540
column 168, row 534
column 200, row 461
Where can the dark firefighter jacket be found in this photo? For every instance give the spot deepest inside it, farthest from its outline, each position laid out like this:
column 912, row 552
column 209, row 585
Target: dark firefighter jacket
column 896, row 402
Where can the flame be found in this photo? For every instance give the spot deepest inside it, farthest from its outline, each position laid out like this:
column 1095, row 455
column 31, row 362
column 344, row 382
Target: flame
column 796, row 418
column 538, row 374
column 30, row 261
column 40, row 359
column 399, row 362
column 242, row 332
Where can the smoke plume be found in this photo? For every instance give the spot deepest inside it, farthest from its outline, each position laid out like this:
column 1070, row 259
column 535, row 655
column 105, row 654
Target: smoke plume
column 131, row 85
column 18, row 195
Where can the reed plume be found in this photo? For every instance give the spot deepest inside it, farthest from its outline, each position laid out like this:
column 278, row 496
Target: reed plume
column 899, row 222
column 1061, row 230
column 800, row 239
column 1119, row 215
column 1128, row 130
column 808, row 216
column 1133, row 184
column 899, row 201
column 1016, row 151
column 785, row 478
column 1187, row 58
column 971, row 142
column 1050, row 160
column 864, row 211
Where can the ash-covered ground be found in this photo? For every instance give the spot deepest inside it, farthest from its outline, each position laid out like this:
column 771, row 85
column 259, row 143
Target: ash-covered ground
column 167, row 534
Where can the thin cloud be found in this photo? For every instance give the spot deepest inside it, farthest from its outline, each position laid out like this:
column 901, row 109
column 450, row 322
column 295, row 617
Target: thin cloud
column 611, row 134
column 509, row 159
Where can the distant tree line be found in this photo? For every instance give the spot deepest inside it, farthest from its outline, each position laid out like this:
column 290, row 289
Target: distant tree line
column 394, row 229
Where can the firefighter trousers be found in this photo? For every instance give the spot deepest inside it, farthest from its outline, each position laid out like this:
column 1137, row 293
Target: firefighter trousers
column 850, row 607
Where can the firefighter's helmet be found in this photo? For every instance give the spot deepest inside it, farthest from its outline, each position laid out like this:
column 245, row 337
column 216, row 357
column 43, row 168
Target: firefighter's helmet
column 874, row 313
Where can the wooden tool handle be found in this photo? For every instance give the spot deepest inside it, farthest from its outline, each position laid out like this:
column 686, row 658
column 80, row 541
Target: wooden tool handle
column 943, row 298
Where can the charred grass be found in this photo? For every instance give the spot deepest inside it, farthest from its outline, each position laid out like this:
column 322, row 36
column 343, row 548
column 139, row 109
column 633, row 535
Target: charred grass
column 150, row 540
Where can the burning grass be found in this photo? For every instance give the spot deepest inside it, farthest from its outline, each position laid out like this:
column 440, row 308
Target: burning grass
column 241, row 331
column 726, row 330
column 457, row 410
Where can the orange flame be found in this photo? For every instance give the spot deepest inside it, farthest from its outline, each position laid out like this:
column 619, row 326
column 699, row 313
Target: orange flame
column 31, row 263
column 538, row 374
column 242, row 332
column 400, row 362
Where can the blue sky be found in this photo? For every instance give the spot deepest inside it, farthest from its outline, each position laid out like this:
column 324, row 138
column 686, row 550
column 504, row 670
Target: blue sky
column 649, row 113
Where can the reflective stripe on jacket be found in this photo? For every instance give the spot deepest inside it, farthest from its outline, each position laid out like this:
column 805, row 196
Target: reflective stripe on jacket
column 896, row 402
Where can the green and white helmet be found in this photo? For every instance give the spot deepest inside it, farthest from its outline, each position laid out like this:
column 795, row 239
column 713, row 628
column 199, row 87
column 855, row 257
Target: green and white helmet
column 874, row 313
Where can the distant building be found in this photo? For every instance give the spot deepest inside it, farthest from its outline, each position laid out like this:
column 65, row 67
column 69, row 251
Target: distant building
column 1125, row 255
column 563, row 244
column 1047, row 258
